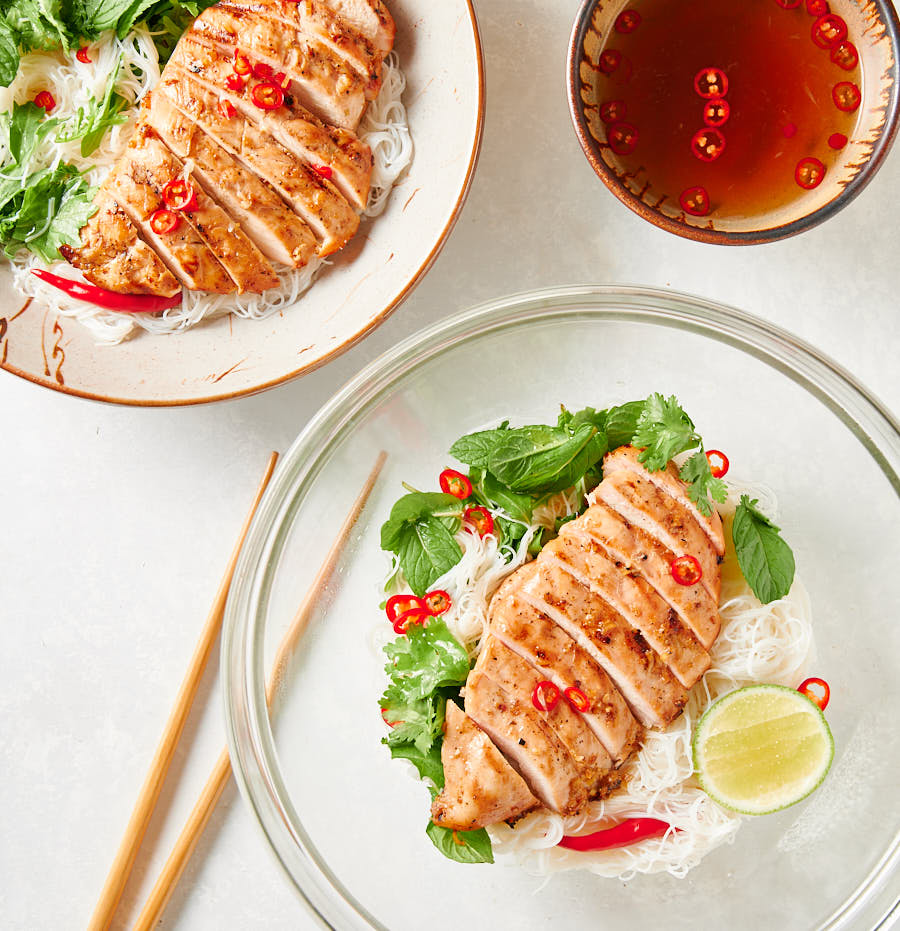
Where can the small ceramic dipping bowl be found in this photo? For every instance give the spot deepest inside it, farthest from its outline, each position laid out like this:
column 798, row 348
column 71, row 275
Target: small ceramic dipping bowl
column 600, row 42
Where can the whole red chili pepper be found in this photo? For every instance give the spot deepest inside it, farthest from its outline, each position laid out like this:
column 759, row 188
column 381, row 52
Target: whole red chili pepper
column 627, row 832
column 111, row 300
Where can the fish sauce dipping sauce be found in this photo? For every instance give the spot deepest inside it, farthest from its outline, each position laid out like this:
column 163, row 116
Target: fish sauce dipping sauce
column 716, row 119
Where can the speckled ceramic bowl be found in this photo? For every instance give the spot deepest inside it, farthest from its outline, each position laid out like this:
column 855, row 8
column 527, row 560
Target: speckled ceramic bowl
column 873, row 27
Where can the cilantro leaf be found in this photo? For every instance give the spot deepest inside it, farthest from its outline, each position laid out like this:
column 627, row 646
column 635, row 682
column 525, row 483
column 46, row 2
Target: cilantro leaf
column 427, row 763
column 9, row 54
column 462, row 846
column 765, row 559
column 703, row 486
column 664, row 430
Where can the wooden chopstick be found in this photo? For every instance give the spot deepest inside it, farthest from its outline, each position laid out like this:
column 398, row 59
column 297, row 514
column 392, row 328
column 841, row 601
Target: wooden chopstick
column 149, row 794
column 206, row 803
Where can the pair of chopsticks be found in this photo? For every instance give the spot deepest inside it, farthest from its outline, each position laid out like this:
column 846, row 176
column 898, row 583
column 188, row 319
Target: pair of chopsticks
column 206, row 803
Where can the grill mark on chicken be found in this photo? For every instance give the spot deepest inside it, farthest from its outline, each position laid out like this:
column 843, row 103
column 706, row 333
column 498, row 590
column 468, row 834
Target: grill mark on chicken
column 112, row 252
column 294, row 127
column 277, row 231
column 647, row 506
column 668, row 481
column 318, row 22
column 327, row 214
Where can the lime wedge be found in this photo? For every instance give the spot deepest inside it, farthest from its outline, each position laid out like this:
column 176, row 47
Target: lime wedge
column 762, row 748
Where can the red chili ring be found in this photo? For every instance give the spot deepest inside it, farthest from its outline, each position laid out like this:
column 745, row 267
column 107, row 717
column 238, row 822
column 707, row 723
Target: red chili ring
column 820, row 700
column 480, row 518
column 164, row 221
column 845, row 55
column 612, row 111
column 817, row 7
column 846, row 96
column 179, row 194
column 545, row 695
column 609, row 60
column 437, row 602
column 414, row 616
column 711, row 82
column 716, row 112
column 707, row 144
column 718, row 462
column 577, row 699
column 686, row 570
column 46, row 101
column 455, row 483
column 809, row 173
column 622, row 137
column 695, row 201
column 627, row 21
column 398, row 604
column 267, row 95
column 828, row 30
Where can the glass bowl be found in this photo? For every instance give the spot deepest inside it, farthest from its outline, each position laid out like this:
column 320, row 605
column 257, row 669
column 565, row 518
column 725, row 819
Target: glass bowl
column 347, row 823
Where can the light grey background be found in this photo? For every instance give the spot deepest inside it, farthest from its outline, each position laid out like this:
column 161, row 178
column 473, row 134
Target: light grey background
column 117, row 523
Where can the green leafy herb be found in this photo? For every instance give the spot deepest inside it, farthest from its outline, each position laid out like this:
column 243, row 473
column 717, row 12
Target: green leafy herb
column 664, row 430
column 621, row 423
column 475, row 449
column 9, row 54
column 462, row 846
column 702, row 485
column 428, row 763
column 765, row 559
column 91, row 123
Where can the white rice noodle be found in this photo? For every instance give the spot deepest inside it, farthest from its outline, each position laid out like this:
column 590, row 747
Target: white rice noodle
column 384, row 129
column 758, row 643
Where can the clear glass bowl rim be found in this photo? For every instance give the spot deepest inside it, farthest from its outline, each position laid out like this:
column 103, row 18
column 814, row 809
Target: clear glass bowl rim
column 250, row 738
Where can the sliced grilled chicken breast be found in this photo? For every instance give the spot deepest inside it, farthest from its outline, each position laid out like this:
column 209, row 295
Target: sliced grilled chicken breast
column 635, row 600
column 654, row 695
column 324, row 25
column 530, row 747
column 324, row 81
column 626, row 457
column 558, row 658
column 370, row 17
column 518, row 678
column 647, row 506
column 275, row 229
column 640, row 553
column 113, row 256
column 480, row 786
column 245, row 264
column 329, row 216
column 332, row 154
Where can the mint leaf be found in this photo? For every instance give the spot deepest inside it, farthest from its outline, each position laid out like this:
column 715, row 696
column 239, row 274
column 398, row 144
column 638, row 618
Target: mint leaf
column 475, row 449
column 621, row 423
column 519, row 507
column 664, row 430
column 703, row 486
column 413, row 507
column 462, row 846
column 765, row 559
column 9, row 54
column 426, row 551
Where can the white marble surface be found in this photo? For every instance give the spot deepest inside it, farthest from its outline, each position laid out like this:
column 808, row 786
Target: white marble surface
column 117, row 523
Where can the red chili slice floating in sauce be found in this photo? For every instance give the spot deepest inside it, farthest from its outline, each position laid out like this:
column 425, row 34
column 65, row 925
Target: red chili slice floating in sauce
column 789, row 4
column 829, row 30
column 809, row 173
column 846, row 96
column 610, row 59
column 711, row 82
column 613, row 111
column 577, row 699
column 627, row 832
column 627, row 21
column 816, row 690
column 164, row 221
column 695, row 201
column 845, row 55
column 415, row 616
column 622, row 137
column 179, row 194
column 455, row 483
column 817, row 7
column 400, row 604
column 83, row 55
column 686, row 570
column 438, row 602
column 837, row 140
column 545, row 695
column 718, row 462
column 789, row 130
column 716, row 112
column 46, row 101
column 111, row 300
column 267, row 95
column 242, row 64
column 707, row 144
column 479, row 518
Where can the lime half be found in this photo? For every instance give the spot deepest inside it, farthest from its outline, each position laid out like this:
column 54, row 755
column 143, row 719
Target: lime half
column 762, row 748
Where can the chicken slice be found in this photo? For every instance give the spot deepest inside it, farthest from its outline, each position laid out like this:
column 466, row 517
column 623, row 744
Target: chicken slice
column 558, row 658
column 647, row 506
column 641, row 554
column 324, row 25
column 480, row 787
column 530, row 747
column 635, row 600
column 183, row 250
column 318, row 203
column 324, row 82
column 245, row 264
column 276, row 230
column 667, row 480
column 519, row 679
column 113, row 256
column 333, row 153
column 654, row 695
column 370, row 17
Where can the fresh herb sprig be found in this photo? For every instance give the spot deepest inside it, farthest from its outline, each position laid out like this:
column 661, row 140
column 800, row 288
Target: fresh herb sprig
column 766, row 561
